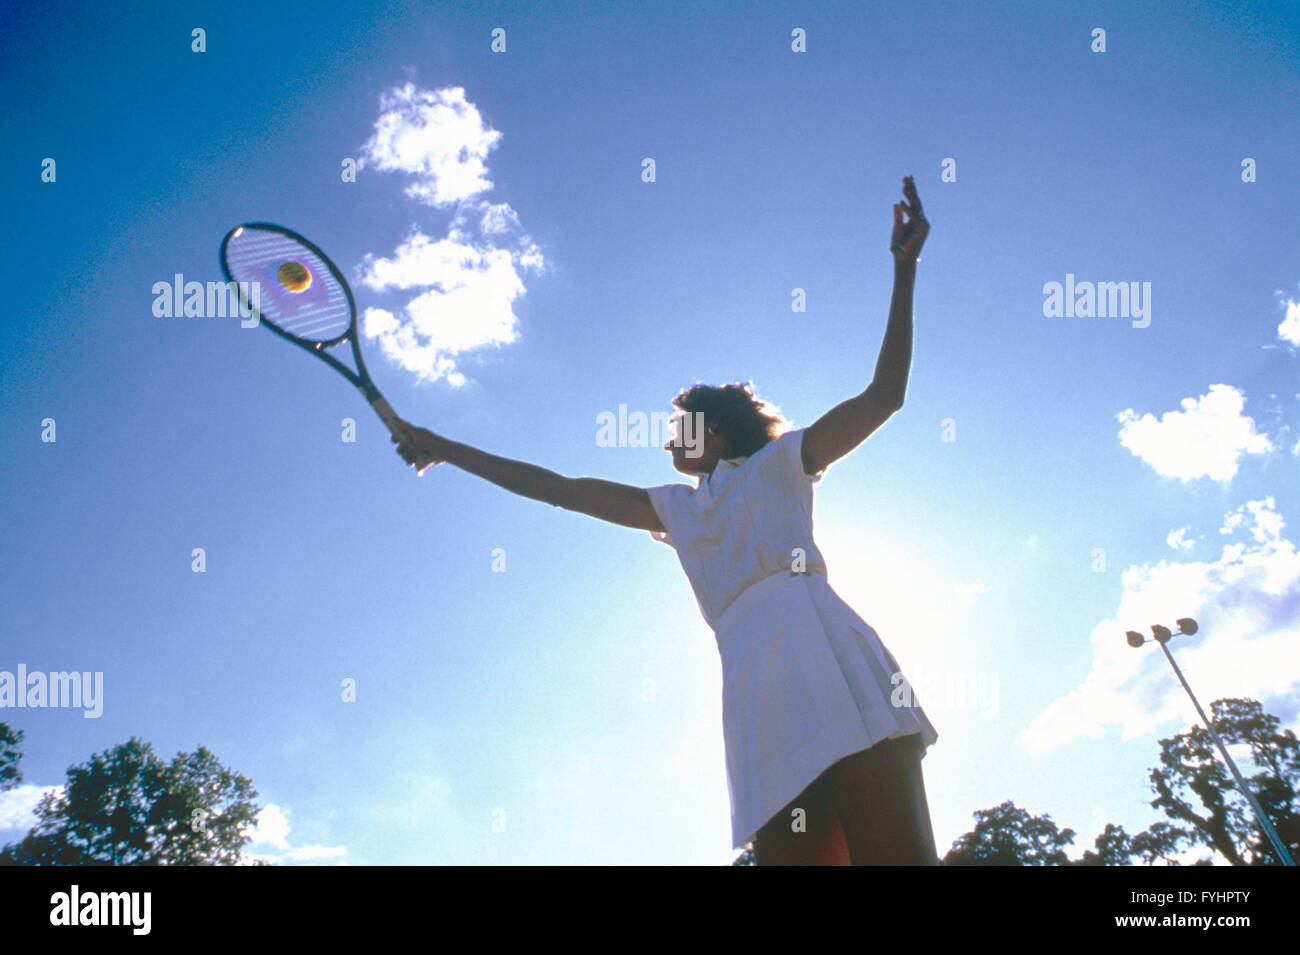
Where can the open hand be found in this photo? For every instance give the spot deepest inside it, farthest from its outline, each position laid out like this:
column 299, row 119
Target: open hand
column 908, row 237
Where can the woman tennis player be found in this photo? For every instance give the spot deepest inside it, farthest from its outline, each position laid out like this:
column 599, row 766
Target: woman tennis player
column 823, row 767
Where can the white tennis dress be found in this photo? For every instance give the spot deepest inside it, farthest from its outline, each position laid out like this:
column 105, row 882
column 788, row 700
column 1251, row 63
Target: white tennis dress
column 805, row 681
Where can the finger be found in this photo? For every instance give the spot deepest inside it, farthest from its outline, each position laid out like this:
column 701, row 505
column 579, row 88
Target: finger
column 909, row 190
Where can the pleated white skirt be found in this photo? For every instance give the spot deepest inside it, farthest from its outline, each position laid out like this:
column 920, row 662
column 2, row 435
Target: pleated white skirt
column 805, row 682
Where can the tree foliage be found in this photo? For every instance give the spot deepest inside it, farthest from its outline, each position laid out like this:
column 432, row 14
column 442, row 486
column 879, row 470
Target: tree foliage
column 1008, row 835
column 1192, row 771
column 126, row 806
column 1191, row 766
column 10, row 754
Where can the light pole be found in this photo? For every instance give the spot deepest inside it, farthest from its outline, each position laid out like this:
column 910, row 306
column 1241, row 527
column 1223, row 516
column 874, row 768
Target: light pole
column 1187, row 627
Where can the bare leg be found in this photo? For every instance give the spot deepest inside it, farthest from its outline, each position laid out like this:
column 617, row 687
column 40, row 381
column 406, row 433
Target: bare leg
column 823, row 842
column 879, row 799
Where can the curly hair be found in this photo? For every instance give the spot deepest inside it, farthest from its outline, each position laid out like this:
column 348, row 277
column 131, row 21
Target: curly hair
column 747, row 421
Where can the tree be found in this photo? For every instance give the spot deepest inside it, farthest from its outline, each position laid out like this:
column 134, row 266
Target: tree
column 1113, row 846
column 128, row 807
column 1007, row 835
column 1160, row 841
column 10, row 754
column 1192, row 765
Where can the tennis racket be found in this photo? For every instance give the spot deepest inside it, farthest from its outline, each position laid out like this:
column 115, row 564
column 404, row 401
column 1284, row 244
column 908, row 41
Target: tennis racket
column 301, row 296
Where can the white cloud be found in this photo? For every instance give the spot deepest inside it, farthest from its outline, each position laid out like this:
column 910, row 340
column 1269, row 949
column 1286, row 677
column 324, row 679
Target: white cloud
column 272, row 828
column 465, row 302
column 1289, row 330
column 435, row 136
column 461, row 288
column 1206, row 439
column 271, row 832
column 18, row 807
column 1177, row 541
column 1247, row 605
column 1266, row 523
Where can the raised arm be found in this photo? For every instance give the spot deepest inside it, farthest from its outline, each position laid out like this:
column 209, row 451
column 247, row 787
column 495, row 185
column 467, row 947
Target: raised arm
column 851, row 422
column 607, row 500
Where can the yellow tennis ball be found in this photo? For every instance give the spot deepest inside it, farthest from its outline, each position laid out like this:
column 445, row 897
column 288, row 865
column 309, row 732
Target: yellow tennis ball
column 294, row 277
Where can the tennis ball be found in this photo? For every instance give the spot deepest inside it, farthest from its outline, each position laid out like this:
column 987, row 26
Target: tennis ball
column 294, row 277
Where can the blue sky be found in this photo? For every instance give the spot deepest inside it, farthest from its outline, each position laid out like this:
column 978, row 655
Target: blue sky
column 1050, row 482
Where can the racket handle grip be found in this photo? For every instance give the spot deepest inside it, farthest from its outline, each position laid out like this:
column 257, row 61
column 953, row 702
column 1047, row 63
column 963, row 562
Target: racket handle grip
column 389, row 417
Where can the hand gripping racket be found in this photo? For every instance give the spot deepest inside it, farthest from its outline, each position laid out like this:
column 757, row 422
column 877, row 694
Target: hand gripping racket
column 298, row 293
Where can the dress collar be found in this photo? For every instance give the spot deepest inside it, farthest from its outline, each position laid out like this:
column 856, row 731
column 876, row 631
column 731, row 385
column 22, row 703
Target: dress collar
column 724, row 467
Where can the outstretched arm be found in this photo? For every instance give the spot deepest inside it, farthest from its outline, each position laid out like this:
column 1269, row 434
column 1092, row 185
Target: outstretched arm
column 851, row 422
column 607, row 500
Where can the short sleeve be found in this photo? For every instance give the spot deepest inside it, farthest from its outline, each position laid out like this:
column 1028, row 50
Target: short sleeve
column 788, row 455
column 667, row 500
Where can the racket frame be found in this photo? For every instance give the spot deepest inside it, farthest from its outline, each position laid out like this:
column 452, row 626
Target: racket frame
column 361, row 377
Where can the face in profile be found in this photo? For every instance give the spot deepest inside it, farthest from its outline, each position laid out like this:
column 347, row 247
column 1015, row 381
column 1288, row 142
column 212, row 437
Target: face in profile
column 696, row 448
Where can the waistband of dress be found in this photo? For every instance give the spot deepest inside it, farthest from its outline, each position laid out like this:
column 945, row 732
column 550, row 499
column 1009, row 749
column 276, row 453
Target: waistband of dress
column 759, row 589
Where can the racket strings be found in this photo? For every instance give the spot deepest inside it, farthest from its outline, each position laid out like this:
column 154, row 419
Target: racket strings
column 296, row 291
